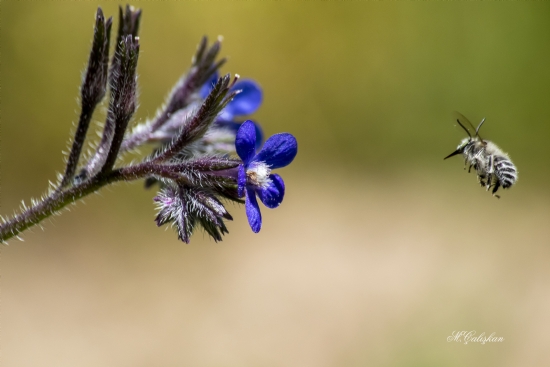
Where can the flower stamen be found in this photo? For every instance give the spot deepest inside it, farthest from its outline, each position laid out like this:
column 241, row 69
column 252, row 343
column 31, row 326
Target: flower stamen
column 258, row 174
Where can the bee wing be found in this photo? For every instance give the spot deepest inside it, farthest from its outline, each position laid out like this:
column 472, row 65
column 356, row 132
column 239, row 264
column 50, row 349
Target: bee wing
column 464, row 123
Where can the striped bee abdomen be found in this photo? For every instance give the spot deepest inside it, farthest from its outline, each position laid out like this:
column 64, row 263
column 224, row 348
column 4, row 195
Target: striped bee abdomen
column 505, row 171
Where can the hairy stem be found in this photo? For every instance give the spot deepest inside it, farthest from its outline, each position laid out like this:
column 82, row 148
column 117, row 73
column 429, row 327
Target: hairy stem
column 59, row 199
column 47, row 207
column 78, row 143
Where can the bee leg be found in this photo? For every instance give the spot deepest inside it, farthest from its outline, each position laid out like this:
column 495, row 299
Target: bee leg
column 491, row 164
column 495, row 189
column 489, row 181
column 466, row 164
column 480, row 181
column 490, row 173
column 481, row 178
column 476, row 168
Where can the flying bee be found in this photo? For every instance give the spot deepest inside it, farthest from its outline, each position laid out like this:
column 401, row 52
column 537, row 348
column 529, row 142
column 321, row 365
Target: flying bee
column 493, row 167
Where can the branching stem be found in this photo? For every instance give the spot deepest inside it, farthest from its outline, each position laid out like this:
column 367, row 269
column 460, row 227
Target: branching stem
column 59, row 199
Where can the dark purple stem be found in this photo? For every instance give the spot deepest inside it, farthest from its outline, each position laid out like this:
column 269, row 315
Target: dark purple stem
column 59, row 199
column 78, row 143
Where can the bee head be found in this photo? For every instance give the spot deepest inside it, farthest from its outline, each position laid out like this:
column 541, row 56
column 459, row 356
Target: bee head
column 461, row 147
column 470, row 139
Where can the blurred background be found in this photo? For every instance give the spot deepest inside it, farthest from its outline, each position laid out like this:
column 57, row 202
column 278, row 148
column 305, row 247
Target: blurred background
column 380, row 250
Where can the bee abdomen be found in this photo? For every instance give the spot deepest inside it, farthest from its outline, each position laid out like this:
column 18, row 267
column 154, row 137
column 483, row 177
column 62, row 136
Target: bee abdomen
column 505, row 171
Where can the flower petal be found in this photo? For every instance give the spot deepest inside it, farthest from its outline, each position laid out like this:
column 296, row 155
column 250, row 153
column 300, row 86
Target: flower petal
column 272, row 196
column 245, row 142
column 207, row 87
column 234, row 126
column 278, row 151
column 241, row 181
column 247, row 101
column 259, row 135
column 253, row 211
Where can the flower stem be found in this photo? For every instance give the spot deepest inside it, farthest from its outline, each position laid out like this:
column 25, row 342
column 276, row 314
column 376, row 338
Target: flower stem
column 61, row 198
column 78, row 143
column 46, row 208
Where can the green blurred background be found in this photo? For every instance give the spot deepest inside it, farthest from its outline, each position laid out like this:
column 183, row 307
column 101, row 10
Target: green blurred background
column 380, row 250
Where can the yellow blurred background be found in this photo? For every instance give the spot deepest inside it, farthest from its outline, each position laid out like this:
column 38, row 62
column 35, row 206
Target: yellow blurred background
column 380, row 249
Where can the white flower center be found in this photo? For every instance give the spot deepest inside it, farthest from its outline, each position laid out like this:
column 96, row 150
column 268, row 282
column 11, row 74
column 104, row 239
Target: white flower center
column 258, row 174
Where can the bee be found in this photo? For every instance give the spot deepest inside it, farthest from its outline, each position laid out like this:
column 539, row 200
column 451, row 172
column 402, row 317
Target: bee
column 493, row 167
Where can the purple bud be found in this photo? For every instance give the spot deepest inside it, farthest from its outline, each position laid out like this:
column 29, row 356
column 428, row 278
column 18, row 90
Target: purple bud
column 128, row 25
column 92, row 90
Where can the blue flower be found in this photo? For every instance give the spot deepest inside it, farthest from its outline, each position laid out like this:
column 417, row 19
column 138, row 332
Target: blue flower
column 255, row 177
column 245, row 103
